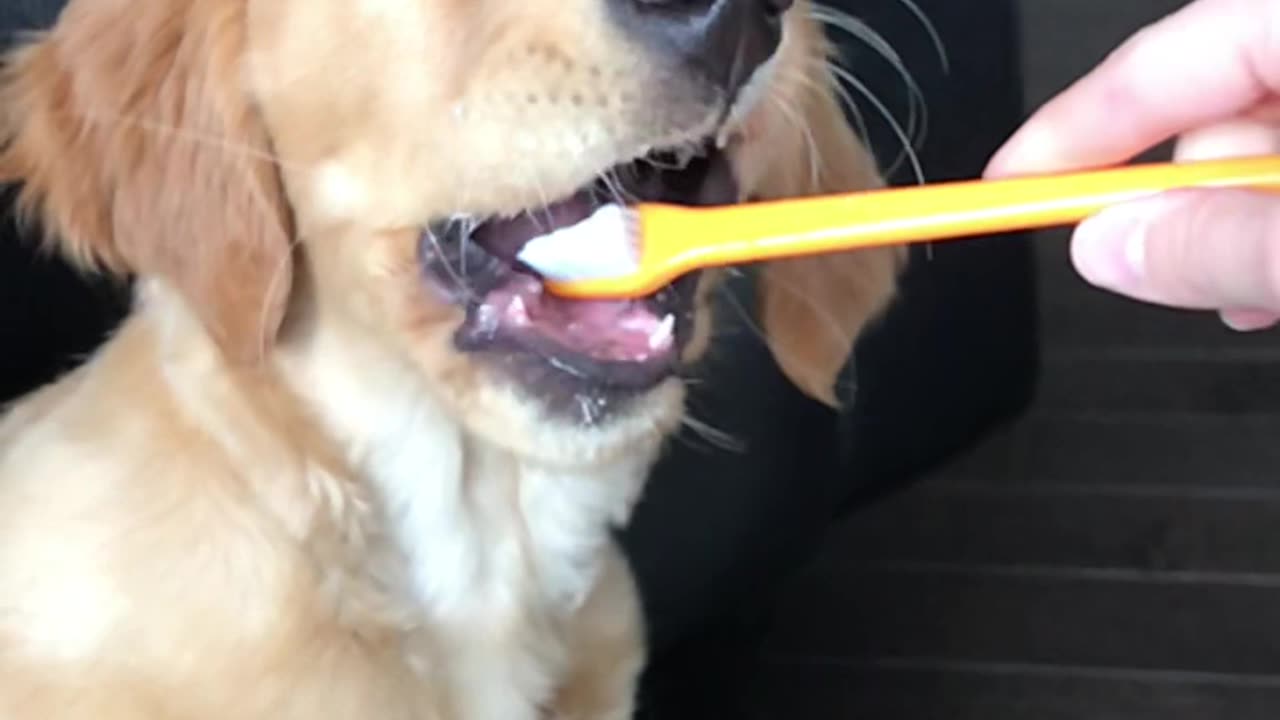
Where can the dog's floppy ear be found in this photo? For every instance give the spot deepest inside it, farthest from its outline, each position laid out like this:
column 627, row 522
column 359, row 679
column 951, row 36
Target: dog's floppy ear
column 812, row 310
column 139, row 152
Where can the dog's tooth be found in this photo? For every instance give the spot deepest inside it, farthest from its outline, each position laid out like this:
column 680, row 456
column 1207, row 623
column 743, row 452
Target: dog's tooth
column 662, row 335
column 486, row 319
column 517, row 311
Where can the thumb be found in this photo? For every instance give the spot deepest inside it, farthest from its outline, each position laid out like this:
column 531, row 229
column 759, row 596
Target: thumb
column 1200, row 249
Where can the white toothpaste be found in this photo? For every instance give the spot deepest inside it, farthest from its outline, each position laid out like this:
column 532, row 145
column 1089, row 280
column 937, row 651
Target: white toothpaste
column 602, row 246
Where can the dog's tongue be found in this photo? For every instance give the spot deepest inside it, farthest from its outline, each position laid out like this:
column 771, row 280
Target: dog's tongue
column 609, row 331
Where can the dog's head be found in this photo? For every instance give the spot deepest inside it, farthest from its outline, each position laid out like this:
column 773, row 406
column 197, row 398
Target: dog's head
column 377, row 163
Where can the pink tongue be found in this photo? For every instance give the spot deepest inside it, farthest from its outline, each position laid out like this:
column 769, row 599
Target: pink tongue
column 612, row 331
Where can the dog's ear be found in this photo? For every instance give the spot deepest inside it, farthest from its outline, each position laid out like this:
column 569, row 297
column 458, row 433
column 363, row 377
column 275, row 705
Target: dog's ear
column 131, row 131
column 812, row 310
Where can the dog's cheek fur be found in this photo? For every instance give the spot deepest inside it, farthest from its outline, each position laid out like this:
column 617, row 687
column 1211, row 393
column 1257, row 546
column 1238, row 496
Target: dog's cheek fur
column 140, row 153
column 812, row 310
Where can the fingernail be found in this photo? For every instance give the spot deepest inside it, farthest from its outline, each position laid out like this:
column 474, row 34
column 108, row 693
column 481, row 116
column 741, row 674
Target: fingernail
column 1109, row 250
column 1249, row 320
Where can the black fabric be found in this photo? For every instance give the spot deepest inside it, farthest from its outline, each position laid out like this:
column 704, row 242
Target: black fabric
column 50, row 316
column 719, row 530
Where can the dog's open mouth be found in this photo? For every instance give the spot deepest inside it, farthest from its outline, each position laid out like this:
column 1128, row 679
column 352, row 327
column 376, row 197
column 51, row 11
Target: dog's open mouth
column 629, row 344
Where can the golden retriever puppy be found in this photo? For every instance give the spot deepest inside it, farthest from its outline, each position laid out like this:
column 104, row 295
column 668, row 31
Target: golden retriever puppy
column 345, row 459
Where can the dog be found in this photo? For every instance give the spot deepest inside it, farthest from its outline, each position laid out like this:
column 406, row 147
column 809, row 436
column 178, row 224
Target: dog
column 345, row 459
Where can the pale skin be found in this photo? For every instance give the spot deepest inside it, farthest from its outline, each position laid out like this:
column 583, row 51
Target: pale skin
column 1209, row 77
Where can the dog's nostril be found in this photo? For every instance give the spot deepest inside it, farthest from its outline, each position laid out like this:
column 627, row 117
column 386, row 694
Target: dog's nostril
column 724, row 40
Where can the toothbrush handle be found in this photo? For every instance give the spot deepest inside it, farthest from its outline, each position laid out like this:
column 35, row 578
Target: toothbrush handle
column 806, row 226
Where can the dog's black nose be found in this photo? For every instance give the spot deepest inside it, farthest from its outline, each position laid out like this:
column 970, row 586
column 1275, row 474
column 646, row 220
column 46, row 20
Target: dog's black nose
column 725, row 40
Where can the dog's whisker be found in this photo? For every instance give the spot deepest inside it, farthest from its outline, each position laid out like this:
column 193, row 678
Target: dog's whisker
column 859, row 29
column 464, row 287
column 615, row 187
column 917, row 129
column 840, row 76
column 894, row 125
column 843, row 95
column 720, row 439
column 934, row 36
column 917, row 105
column 546, row 223
column 864, row 33
column 467, row 226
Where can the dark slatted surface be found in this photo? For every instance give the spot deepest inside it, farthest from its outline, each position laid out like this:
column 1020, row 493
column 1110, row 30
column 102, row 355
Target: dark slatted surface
column 1116, row 555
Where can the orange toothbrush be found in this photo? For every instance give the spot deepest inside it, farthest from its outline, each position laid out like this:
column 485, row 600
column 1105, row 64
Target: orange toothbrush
column 634, row 251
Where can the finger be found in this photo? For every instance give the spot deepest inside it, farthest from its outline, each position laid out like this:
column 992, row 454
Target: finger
column 1213, row 60
column 1234, row 138
column 1207, row 249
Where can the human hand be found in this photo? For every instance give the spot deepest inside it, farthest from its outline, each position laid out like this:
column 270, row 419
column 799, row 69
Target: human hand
column 1208, row 75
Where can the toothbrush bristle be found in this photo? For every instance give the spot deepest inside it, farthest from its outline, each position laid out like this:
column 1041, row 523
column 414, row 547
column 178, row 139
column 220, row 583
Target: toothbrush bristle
column 605, row 245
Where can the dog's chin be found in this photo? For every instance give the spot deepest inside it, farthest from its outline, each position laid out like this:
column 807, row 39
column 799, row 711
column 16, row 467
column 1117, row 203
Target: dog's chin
column 588, row 362
column 512, row 415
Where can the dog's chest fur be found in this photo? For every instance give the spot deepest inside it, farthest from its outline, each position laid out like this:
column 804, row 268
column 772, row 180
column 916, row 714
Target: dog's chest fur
column 498, row 551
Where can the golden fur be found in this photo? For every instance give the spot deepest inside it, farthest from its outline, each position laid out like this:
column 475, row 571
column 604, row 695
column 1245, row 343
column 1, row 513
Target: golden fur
column 214, row 516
